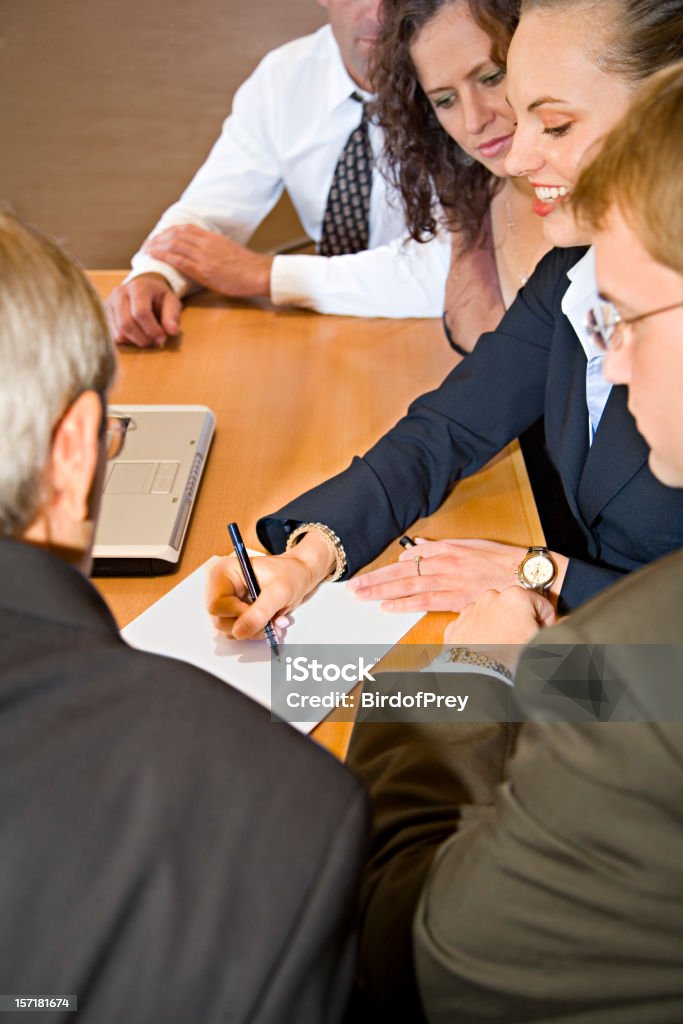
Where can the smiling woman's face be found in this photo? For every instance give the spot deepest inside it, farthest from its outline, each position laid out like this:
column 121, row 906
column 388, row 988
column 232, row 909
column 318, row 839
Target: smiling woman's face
column 563, row 104
column 452, row 60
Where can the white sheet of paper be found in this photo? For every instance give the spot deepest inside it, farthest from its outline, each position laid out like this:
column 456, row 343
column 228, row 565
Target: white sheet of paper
column 179, row 626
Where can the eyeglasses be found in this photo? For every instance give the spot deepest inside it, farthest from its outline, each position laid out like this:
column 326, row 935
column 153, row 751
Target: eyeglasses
column 606, row 326
column 115, row 434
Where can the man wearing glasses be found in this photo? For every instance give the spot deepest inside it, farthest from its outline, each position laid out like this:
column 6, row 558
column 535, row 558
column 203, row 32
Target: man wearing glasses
column 117, row 428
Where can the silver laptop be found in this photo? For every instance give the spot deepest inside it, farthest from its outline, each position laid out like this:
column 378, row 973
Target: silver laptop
column 150, row 489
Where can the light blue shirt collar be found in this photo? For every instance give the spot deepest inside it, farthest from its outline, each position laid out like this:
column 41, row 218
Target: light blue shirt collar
column 582, row 295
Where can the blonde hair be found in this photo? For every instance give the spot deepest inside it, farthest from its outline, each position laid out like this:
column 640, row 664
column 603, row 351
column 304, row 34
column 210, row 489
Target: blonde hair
column 638, row 169
column 54, row 344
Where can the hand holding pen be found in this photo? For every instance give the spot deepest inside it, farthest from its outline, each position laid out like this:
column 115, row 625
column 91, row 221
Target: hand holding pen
column 284, row 581
column 251, row 582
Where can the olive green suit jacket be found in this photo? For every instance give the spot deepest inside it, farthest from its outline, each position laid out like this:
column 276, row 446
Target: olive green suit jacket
column 534, row 872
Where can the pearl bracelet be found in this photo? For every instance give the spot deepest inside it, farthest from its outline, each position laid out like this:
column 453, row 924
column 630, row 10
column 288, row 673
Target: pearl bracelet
column 340, row 554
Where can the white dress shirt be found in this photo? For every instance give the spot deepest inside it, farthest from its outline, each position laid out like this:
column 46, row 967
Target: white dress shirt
column 581, row 296
column 289, row 123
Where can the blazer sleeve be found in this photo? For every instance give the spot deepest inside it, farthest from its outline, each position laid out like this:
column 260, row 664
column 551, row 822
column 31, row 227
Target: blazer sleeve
column 486, row 401
column 425, row 779
column 584, row 580
column 564, row 899
column 239, row 182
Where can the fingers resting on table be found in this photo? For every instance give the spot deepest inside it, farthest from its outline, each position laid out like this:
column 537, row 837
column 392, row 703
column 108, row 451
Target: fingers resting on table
column 440, row 575
column 144, row 312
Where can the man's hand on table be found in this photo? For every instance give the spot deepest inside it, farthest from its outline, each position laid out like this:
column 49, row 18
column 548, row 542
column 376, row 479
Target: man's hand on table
column 285, row 581
column 212, row 260
column 453, row 573
column 503, row 622
column 144, row 311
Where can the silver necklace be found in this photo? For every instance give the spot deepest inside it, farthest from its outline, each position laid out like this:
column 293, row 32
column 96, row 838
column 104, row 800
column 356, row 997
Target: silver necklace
column 522, row 276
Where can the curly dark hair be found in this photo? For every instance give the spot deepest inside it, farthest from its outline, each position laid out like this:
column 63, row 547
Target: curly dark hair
column 421, row 159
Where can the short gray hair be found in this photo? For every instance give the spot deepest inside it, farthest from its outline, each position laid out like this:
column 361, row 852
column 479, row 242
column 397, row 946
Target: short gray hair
column 54, row 344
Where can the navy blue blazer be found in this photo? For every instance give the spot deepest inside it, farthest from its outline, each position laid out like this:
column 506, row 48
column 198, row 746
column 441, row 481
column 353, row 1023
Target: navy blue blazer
column 532, row 365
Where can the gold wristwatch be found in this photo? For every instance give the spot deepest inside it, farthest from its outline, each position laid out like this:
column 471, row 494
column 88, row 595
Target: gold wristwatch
column 537, row 570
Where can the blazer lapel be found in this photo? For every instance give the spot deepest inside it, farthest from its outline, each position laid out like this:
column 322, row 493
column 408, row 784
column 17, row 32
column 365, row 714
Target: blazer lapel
column 566, row 413
column 617, row 453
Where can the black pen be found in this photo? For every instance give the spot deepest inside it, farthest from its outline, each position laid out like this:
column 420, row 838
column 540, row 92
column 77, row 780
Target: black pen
column 407, row 542
column 251, row 582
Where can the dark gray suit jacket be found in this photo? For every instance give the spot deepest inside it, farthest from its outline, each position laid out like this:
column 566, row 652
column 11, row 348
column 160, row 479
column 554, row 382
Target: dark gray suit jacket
column 544, row 884
column 531, row 366
column 167, row 851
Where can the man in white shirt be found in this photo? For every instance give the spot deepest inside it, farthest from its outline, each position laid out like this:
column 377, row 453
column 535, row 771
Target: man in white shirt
column 289, row 124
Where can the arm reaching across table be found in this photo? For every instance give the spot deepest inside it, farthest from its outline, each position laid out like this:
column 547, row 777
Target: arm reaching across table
column 451, row 574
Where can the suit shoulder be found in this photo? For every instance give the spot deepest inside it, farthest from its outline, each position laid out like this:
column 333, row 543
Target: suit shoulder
column 550, row 275
column 560, row 259
column 644, row 607
column 617, row 658
column 175, row 699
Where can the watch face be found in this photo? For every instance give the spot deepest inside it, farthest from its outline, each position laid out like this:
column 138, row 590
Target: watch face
column 538, row 570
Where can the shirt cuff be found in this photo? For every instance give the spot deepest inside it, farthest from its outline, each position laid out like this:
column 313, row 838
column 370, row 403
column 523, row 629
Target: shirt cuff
column 180, row 284
column 379, row 282
column 298, row 281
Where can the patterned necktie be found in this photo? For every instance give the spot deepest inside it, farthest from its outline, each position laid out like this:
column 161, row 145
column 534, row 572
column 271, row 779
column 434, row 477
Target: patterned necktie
column 345, row 224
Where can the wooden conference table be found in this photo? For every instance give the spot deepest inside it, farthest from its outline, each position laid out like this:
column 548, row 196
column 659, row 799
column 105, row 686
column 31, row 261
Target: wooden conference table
column 296, row 395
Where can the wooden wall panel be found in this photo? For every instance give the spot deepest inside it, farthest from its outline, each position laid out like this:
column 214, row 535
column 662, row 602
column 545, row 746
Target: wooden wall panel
column 107, row 107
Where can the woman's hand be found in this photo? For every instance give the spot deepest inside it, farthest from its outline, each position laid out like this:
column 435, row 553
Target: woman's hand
column 285, row 581
column 452, row 574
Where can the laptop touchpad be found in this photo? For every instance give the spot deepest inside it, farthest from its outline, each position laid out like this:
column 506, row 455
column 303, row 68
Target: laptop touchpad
column 131, row 477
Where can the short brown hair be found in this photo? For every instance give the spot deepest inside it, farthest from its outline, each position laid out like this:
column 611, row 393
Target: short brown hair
column 638, row 170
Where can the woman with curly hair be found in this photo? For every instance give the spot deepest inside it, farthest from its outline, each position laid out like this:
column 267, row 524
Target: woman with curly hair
column 440, row 80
